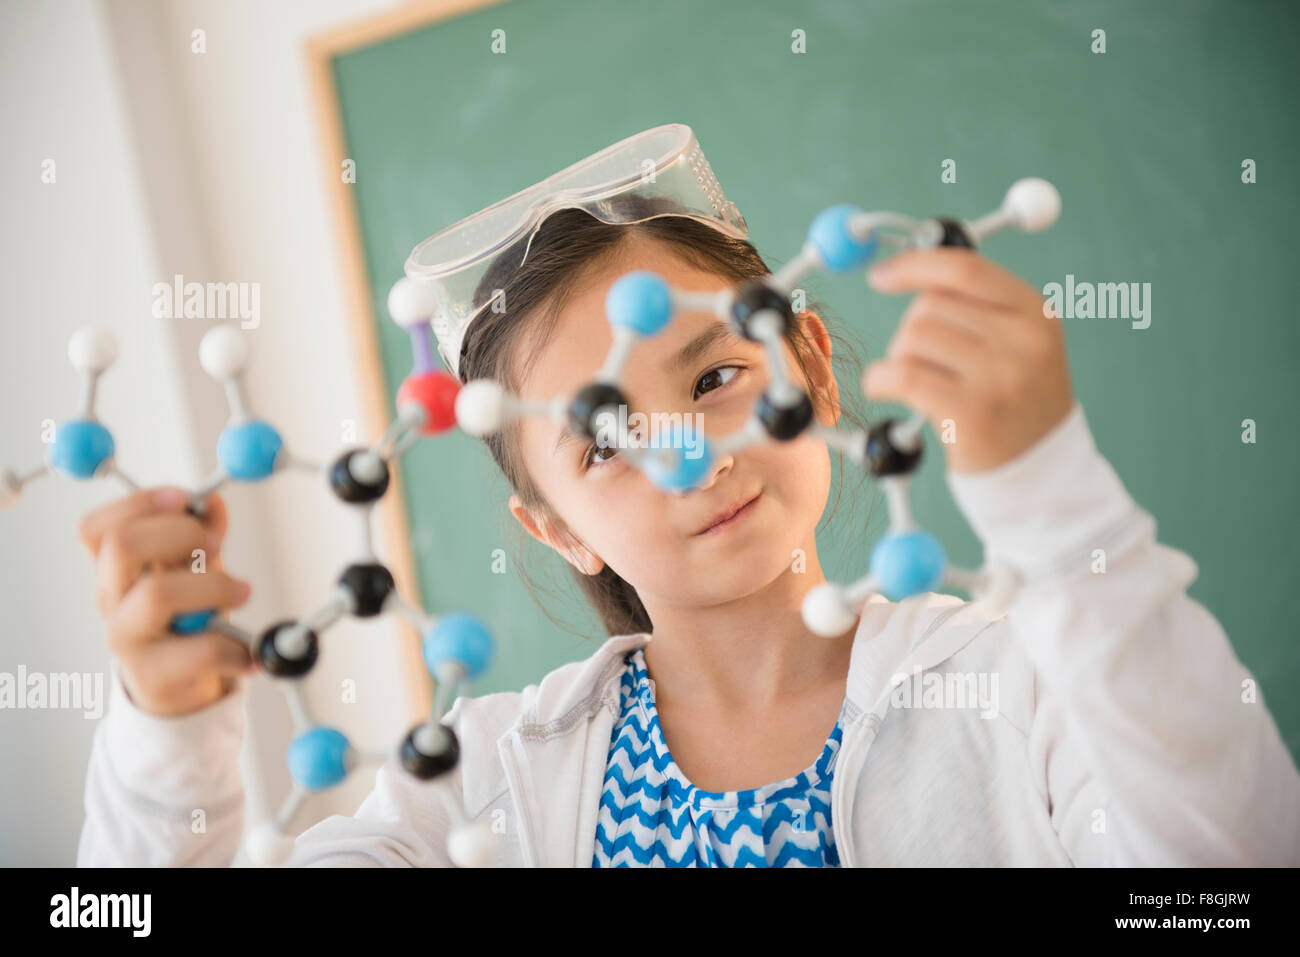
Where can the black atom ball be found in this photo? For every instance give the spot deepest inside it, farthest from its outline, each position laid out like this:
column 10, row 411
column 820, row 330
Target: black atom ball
column 278, row 665
column 352, row 489
column 369, row 585
column 754, row 296
column 784, row 423
column 426, row 767
column 591, row 400
column 955, row 234
column 884, row 457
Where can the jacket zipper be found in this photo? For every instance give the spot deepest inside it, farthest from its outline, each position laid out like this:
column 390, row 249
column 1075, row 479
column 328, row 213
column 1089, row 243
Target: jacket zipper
column 841, row 827
column 869, row 724
column 514, row 777
column 847, row 776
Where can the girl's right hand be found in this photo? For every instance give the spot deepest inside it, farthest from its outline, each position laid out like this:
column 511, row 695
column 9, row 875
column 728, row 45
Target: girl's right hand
column 143, row 546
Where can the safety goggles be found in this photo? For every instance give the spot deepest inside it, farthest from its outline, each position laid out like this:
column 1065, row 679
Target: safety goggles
column 658, row 172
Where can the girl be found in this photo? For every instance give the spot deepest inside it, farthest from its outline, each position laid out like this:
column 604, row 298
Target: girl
column 1110, row 722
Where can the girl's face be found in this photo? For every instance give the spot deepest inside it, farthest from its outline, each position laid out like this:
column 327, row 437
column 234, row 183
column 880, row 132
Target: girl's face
column 611, row 513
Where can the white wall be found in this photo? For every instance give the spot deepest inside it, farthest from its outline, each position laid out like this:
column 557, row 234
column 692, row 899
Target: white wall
column 208, row 165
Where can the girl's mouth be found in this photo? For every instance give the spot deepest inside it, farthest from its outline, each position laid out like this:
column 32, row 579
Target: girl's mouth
column 735, row 519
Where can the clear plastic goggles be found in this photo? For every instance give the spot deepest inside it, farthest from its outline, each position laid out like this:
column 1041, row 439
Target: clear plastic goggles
column 658, row 172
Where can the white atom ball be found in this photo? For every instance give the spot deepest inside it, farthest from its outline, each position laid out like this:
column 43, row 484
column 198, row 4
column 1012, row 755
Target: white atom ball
column 367, row 467
column 1033, row 203
column 267, row 845
column 471, row 845
column 481, row 407
column 92, row 349
column 223, row 352
column 411, row 302
column 826, row 611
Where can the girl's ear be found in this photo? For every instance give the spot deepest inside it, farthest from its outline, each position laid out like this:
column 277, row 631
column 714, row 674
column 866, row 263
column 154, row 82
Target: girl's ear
column 550, row 532
column 820, row 368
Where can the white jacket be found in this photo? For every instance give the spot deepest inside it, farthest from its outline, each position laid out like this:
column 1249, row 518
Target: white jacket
column 1125, row 729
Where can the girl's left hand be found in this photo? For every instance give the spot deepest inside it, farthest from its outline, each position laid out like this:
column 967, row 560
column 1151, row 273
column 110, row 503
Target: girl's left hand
column 976, row 347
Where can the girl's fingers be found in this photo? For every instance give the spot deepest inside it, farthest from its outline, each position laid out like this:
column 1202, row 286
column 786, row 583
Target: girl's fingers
column 977, row 318
column 127, row 549
column 179, row 660
column 932, row 390
column 957, row 271
column 155, row 501
column 213, row 516
column 151, row 603
column 925, row 335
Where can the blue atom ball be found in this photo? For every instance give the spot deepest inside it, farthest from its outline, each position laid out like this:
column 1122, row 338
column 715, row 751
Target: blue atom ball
column 191, row 622
column 909, row 563
column 639, row 301
column 839, row 248
column 690, row 461
column 247, row 451
column 318, row 758
column 461, row 638
column 80, row 447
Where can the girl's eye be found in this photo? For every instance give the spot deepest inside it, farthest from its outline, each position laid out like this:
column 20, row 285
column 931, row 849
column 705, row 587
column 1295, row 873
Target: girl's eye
column 588, row 457
column 716, row 375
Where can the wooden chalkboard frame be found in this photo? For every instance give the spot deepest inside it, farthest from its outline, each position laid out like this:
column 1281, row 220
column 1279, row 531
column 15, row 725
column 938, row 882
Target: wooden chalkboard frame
column 321, row 51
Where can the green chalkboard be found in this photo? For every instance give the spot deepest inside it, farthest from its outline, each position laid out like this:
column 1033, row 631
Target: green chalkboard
column 1145, row 141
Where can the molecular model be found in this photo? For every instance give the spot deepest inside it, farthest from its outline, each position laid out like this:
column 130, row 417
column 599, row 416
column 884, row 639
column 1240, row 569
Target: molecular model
column 906, row 561
column 456, row 648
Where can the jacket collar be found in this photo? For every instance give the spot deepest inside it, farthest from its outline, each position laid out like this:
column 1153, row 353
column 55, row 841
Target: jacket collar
column 558, row 790
column 891, row 636
column 577, row 689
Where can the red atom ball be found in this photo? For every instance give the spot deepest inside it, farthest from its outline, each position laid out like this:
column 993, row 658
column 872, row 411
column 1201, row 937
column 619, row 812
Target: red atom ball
column 435, row 392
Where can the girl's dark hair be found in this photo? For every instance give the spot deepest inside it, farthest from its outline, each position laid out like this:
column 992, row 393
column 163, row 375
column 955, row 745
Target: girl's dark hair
column 529, row 298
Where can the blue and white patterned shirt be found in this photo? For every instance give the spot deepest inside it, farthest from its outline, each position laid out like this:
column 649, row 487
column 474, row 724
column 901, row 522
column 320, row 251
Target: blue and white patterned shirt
column 652, row 816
